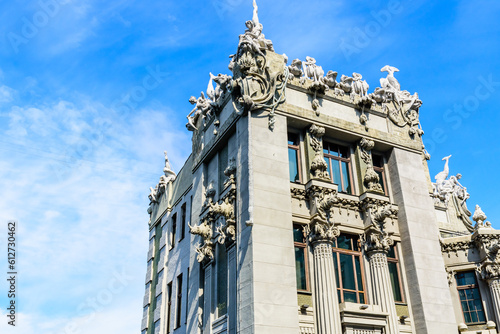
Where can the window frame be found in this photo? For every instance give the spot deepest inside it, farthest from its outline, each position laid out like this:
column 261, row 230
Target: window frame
column 303, row 246
column 381, row 170
column 169, row 305
column 339, row 159
column 400, row 277
column 174, row 230
column 183, row 221
column 336, row 254
column 178, row 302
column 297, row 150
column 466, row 287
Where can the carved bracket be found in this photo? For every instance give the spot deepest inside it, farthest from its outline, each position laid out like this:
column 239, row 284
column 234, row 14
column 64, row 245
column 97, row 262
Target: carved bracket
column 376, row 237
column 371, row 178
column 318, row 165
column 322, row 201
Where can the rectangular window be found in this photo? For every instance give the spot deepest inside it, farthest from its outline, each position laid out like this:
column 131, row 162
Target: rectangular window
column 378, row 167
column 293, row 157
column 174, row 228
column 187, row 289
column 221, row 263
column 349, row 272
column 223, row 163
column 470, row 299
column 183, row 221
column 179, row 302
column 301, row 271
column 338, row 162
column 169, row 304
column 395, row 274
column 157, row 326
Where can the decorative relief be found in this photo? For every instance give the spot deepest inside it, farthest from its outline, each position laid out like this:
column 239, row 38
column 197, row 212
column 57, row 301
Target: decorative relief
column 315, row 73
column 297, row 193
column 371, row 178
column 322, row 201
column 212, row 211
column 376, row 238
column 405, row 109
column 449, row 247
column 254, row 86
column 318, row 165
column 445, row 190
column 479, row 217
column 450, row 275
column 168, row 177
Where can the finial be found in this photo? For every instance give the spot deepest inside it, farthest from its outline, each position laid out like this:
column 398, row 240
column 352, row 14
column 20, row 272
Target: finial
column 479, row 217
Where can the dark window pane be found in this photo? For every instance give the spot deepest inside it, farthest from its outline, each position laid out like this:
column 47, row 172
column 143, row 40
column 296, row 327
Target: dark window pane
column 467, row 317
column 293, row 164
column 480, row 316
column 344, row 152
column 377, row 161
column 358, row 273
column 336, row 173
column 300, row 268
column 335, row 262
column 347, row 272
column 362, row 298
column 346, row 178
column 298, row 235
column 391, row 253
column 221, row 280
column 396, row 288
column 344, row 242
column 328, row 166
column 350, row 297
column 334, row 150
column 293, row 139
column 473, row 317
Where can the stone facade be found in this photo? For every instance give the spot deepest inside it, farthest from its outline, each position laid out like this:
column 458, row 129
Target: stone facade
column 306, row 206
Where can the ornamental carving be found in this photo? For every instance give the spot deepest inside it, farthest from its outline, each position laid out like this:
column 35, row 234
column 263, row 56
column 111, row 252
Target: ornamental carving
column 254, row 86
column 405, row 107
column 318, row 165
column 376, row 238
column 322, row 200
column 211, row 214
column 449, row 189
column 371, row 178
column 456, row 246
column 479, row 217
column 161, row 188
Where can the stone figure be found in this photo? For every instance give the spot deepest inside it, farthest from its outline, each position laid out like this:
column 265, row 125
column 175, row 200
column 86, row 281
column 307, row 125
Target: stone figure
column 390, row 81
column 354, row 84
column 169, row 173
column 445, row 190
column 152, row 194
column 330, row 79
column 295, row 69
column 202, row 107
column 222, row 85
column 311, row 70
column 253, row 35
column 479, row 217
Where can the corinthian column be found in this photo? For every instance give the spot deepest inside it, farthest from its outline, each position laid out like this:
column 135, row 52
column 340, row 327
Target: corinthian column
column 494, row 285
column 377, row 243
column 325, row 287
column 322, row 233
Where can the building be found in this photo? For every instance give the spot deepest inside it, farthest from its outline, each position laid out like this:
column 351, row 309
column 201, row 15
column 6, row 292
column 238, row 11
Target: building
column 306, row 206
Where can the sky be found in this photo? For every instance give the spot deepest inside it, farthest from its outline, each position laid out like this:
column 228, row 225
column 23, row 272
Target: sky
column 93, row 92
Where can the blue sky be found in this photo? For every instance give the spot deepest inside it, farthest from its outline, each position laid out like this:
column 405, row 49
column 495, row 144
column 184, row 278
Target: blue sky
column 92, row 93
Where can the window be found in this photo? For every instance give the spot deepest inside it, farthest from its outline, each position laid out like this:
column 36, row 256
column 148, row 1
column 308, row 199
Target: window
column 470, row 299
column 395, row 274
column 338, row 164
column 179, row 302
column 183, row 221
column 293, row 157
column 174, row 228
column 169, row 304
column 348, row 269
column 187, row 289
column 157, row 326
column 221, row 263
column 223, row 163
column 378, row 167
column 301, row 271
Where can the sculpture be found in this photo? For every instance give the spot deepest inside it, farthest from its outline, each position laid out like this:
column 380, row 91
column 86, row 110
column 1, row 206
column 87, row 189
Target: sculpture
column 446, row 189
column 295, row 69
column 202, row 107
column 354, row 85
column 479, row 217
column 169, row 173
column 318, row 165
column 371, row 178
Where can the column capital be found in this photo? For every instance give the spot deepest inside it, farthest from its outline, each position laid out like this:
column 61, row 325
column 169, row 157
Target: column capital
column 376, row 238
column 322, row 199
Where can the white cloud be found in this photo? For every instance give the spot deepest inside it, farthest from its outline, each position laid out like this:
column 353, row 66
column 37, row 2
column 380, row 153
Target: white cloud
column 78, row 188
column 6, row 94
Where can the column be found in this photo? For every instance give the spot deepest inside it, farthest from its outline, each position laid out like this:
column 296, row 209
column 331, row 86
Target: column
column 326, row 306
column 382, row 289
column 494, row 285
column 231, row 296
